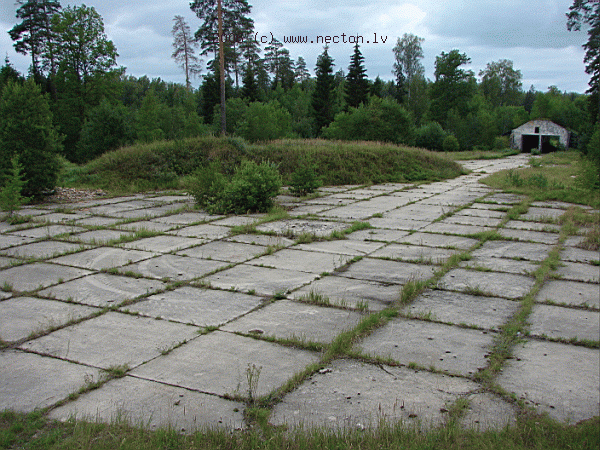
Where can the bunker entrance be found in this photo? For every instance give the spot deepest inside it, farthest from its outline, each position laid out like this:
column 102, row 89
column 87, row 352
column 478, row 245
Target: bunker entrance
column 530, row 142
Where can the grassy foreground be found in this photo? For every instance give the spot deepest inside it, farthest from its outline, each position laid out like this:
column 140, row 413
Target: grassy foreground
column 35, row 431
column 164, row 164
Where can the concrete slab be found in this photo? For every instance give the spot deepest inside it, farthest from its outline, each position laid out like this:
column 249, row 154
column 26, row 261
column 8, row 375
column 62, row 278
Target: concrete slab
column 173, row 267
column 388, row 271
column 196, row 306
column 235, row 221
column 285, row 319
column 207, row 231
column 570, row 293
column 500, row 265
column 262, row 280
column 61, row 217
column 187, row 218
column 103, row 258
column 307, row 209
column 486, row 411
column 150, row 405
column 454, row 228
column 494, row 284
column 149, row 225
column 414, row 253
column 354, row 211
column 350, row 247
column 225, row 251
column 351, row 394
column 542, row 214
column 480, row 212
column 99, row 236
column 398, row 223
column 579, row 272
column 48, row 231
column 29, row 277
column 102, row 290
column 31, row 382
column 295, row 227
column 504, row 199
column 417, row 211
column 43, row 249
column 304, row 261
column 98, row 221
column 352, row 293
column 378, row 235
column 7, row 262
column 262, row 239
column 217, row 363
column 531, row 236
column 562, row 380
column 579, row 255
column 532, row 226
column 21, row 317
column 473, row 220
column 512, row 250
column 462, row 309
column 163, row 243
column 448, row 348
column 564, row 323
column 439, row 240
column 112, row 339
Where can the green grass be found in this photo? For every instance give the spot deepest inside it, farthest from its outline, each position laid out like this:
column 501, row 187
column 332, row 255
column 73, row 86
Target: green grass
column 557, row 176
column 165, row 164
column 35, row 431
column 480, row 154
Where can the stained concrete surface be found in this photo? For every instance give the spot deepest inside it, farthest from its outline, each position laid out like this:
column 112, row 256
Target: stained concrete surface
column 206, row 315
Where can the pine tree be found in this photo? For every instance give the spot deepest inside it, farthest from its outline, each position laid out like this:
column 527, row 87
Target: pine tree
column 10, row 195
column 302, row 73
column 323, row 95
column 357, row 85
column 185, row 45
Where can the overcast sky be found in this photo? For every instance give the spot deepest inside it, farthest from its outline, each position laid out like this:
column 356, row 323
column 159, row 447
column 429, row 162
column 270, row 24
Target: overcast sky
column 531, row 33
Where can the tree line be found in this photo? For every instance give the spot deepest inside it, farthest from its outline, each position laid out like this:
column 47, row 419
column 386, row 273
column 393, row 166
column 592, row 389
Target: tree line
column 93, row 106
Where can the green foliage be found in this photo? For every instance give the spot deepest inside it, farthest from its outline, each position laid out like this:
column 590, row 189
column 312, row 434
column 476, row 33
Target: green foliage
column 265, row 122
column 236, row 110
column 501, row 142
column 430, row 136
column 450, row 144
column 322, row 97
column 357, row 87
column 10, row 194
column 305, row 179
column 26, row 130
column 382, row 120
column 251, row 189
column 106, row 127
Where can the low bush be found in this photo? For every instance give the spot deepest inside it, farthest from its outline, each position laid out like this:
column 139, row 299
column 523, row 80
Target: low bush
column 305, row 180
column 430, row 136
column 265, row 122
column 251, row 188
column 451, row 144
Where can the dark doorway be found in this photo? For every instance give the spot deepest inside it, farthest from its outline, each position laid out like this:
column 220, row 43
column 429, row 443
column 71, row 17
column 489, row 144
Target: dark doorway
column 550, row 143
column 529, row 142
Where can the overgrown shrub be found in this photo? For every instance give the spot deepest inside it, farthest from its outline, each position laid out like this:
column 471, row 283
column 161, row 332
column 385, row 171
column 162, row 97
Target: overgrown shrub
column 305, row 179
column 501, row 142
column 265, row 122
column 26, row 130
column 430, row 136
column 382, row 120
column 251, row 188
column 451, row 144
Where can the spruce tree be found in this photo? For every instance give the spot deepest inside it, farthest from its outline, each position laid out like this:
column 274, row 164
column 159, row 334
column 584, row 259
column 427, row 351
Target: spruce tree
column 323, row 95
column 357, row 85
column 250, row 87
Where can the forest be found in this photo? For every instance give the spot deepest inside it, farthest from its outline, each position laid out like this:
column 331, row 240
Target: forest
column 77, row 102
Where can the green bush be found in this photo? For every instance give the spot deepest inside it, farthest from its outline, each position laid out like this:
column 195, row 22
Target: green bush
column 451, row 144
column 265, row 122
column 26, row 131
column 10, row 195
column 251, row 188
column 105, row 128
column 501, row 142
column 305, row 179
column 382, row 120
column 430, row 136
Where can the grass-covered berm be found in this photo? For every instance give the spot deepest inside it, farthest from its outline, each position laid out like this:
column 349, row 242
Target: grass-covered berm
column 165, row 164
